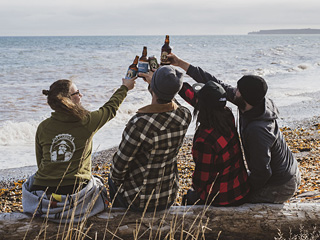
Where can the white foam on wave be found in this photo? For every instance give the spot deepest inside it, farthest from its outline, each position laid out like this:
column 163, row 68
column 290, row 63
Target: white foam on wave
column 13, row 133
column 294, row 88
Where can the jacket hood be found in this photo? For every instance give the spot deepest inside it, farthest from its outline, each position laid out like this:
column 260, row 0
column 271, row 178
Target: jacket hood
column 265, row 111
column 64, row 117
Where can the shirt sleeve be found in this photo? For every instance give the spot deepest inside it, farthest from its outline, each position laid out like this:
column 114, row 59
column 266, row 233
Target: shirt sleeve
column 108, row 111
column 39, row 152
column 188, row 94
column 131, row 141
column 202, row 76
column 258, row 149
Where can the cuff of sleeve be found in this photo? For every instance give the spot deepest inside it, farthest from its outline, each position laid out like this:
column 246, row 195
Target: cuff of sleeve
column 190, row 69
column 124, row 87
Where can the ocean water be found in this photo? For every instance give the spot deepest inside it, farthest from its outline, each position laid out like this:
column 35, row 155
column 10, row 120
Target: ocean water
column 289, row 63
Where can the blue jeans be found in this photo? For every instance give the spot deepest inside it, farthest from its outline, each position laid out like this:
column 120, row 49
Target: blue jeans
column 276, row 194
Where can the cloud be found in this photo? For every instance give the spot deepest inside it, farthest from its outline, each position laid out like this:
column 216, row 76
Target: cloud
column 121, row 17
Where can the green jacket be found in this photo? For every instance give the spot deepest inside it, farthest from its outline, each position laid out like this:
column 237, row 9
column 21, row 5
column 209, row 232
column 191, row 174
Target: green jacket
column 64, row 143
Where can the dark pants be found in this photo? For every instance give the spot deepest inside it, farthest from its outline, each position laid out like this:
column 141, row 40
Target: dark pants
column 193, row 198
column 278, row 193
column 62, row 190
column 115, row 197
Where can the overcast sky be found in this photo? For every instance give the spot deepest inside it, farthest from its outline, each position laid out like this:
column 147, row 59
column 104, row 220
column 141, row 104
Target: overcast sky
column 150, row 17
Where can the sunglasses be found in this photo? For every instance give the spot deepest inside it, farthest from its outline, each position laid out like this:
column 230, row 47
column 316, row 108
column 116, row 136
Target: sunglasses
column 75, row 93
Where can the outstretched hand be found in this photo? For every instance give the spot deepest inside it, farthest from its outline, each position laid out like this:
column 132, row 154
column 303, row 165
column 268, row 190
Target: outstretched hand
column 146, row 76
column 176, row 61
column 129, row 83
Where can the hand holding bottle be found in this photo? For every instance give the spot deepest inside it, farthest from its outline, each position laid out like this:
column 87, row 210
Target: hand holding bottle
column 129, row 83
column 176, row 61
column 146, row 76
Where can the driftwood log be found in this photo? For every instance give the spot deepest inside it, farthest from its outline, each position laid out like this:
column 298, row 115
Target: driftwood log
column 249, row 221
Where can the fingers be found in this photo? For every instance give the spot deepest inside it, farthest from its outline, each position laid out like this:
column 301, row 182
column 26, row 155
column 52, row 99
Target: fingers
column 146, row 76
column 129, row 83
column 173, row 59
column 140, row 74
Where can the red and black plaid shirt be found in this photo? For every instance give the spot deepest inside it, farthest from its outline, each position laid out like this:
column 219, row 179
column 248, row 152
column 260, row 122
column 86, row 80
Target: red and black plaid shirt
column 218, row 161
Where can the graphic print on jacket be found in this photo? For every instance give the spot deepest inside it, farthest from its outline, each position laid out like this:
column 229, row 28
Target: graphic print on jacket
column 62, row 148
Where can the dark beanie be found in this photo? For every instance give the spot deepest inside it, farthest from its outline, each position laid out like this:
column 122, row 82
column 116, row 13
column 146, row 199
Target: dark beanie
column 252, row 88
column 210, row 94
column 166, row 82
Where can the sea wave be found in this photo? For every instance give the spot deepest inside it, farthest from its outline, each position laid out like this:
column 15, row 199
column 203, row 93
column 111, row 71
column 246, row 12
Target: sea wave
column 12, row 133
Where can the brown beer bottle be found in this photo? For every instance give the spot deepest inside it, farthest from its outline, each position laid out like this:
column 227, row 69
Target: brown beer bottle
column 133, row 69
column 165, row 50
column 143, row 61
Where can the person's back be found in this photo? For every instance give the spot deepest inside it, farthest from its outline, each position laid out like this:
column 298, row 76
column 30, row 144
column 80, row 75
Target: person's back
column 220, row 177
column 144, row 168
column 222, row 180
column 64, row 141
column 154, row 142
column 262, row 140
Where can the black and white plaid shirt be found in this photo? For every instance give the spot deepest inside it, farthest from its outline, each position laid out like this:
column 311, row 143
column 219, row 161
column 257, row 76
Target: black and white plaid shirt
column 145, row 165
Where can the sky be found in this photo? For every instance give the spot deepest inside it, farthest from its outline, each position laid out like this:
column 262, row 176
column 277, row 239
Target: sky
column 154, row 17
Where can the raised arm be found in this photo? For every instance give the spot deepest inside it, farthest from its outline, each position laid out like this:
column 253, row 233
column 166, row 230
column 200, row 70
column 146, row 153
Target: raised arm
column 108, row 111
column 201, row 76
column 188, row 94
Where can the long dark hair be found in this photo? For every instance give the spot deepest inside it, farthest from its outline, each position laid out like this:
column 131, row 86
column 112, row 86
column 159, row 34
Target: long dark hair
column 220, row 118
column 58, row 98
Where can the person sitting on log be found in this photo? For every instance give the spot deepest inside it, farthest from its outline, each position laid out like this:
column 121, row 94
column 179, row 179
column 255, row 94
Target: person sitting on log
column 274, row 175
column 63, row 183
column 144, row 173
column 220, row 177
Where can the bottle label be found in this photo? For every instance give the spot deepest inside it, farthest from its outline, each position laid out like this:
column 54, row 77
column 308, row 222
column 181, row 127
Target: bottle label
column 131, row 73
column 143, row 67
column 153, row 64
column 164, row 58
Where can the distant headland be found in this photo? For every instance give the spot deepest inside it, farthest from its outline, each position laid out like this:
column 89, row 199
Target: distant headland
column 288, row 31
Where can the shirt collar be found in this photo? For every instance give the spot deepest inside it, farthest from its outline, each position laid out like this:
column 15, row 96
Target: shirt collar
column 158, row 108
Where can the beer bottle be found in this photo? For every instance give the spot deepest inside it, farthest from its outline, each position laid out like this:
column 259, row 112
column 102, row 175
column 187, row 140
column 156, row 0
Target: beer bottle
column 143, row 61
column 153, row 63
column 165, row 50
column 133, row 69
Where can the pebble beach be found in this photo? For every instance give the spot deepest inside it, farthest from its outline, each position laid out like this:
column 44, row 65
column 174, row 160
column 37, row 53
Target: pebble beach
column 303, row 140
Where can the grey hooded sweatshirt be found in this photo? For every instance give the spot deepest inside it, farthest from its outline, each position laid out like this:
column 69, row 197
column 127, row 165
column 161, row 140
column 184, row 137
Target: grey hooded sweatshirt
column 268, row 156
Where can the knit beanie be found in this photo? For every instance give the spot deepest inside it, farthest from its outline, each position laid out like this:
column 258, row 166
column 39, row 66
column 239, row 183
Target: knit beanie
column 166, row 82
column 252, row 88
